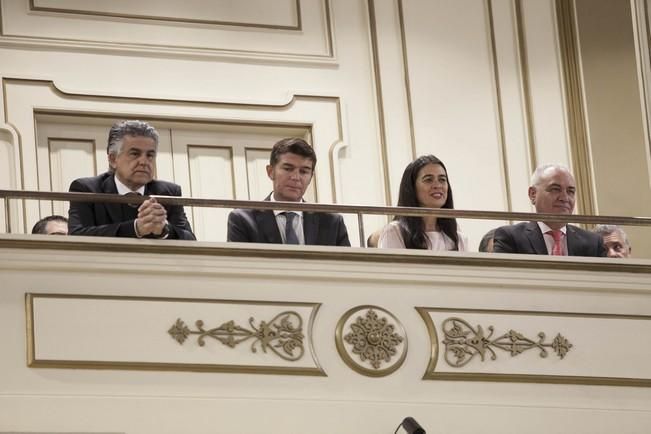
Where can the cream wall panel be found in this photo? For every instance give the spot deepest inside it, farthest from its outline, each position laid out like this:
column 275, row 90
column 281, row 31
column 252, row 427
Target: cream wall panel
column 583, row 335
column 67, row 152
column 392, row 72
column 283, row 13
column 7, row 173
column 615, row 115
column 256, row 163
column 232, row 334
column 211, row 177
column 69, row 160
column 113, row 32
column 547, row 101
column 453, row 93
column 513, row 97
column 642, row 30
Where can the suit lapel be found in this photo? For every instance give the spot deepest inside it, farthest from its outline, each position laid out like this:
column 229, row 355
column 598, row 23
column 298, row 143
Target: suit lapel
column 266, row 221
column 267, row 225
column 571, row 239
column 310, row 227
column 536, row 239
column 114, row 210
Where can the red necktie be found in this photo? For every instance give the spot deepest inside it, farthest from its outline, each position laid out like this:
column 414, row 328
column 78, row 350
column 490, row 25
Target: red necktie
column 557, row 249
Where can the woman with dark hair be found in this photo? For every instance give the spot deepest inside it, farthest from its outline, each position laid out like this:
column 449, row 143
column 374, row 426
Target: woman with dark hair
column 424, row 184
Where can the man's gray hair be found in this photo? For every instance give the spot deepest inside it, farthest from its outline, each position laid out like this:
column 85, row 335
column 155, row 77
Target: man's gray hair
column 605, row 230
column 538, row 173
column 129, row 128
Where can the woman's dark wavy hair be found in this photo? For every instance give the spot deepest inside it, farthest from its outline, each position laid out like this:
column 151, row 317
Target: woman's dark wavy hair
column 412, row 229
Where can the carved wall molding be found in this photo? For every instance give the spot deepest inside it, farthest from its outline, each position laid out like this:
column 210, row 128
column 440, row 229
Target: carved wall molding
column 282, row 335
column 463, row 348
column 371, row 341
column 282, row 345
column 307, row 35
column 463, row 342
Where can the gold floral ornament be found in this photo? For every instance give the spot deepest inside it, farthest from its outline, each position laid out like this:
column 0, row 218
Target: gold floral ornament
column 463, row 342
column 371, row 339
column 283, row 335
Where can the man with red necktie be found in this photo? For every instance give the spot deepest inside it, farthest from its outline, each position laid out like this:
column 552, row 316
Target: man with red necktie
column 552, row 191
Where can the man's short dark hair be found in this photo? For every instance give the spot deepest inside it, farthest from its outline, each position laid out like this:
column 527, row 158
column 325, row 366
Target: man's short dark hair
column 294, row 145
column 487, row 238
column 41, row 226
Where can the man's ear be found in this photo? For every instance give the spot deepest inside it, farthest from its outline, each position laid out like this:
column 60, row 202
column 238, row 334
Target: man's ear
column 532, row 195
column 111, row 159
column 270, row 171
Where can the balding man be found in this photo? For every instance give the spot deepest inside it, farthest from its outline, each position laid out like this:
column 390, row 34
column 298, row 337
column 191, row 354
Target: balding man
column 552, row 191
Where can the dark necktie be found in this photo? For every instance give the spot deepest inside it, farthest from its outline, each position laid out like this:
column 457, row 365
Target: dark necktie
column 133, row 194
column 130, row 210
column 290, row 233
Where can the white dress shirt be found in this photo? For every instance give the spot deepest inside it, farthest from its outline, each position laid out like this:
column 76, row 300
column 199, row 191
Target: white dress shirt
column 549, row 240
column 123, row 189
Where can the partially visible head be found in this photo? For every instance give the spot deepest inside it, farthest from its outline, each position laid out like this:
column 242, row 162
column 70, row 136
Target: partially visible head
column 486, row 243
column 615, row 241
column 291, row 167
column 553, row 190
column 51, row 225
column 131, row 149
column 425, row 183
column 374, row 238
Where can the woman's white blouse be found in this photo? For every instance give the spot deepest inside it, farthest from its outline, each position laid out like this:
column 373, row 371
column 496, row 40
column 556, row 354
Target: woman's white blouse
column 391, row 238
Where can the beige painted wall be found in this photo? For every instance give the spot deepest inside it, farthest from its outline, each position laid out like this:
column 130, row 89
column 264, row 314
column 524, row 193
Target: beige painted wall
column 618, row 140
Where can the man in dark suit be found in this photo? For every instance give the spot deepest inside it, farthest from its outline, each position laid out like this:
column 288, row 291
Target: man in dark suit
column 291, row 166
column 552, row 191
column 132, row 147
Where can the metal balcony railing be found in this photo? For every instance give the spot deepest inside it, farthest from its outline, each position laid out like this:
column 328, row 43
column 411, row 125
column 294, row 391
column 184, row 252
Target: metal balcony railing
column 359, row 210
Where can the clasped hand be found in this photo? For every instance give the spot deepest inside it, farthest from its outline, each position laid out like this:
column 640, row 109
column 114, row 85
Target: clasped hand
column 152, row 218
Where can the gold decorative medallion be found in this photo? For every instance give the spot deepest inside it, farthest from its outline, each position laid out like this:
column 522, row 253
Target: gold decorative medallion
column 372, row 343
column 283, row 335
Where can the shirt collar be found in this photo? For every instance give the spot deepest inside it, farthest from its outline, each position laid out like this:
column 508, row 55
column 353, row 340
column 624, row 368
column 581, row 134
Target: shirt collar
column 276, row 212
column 544, row 228
column 123, row 189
